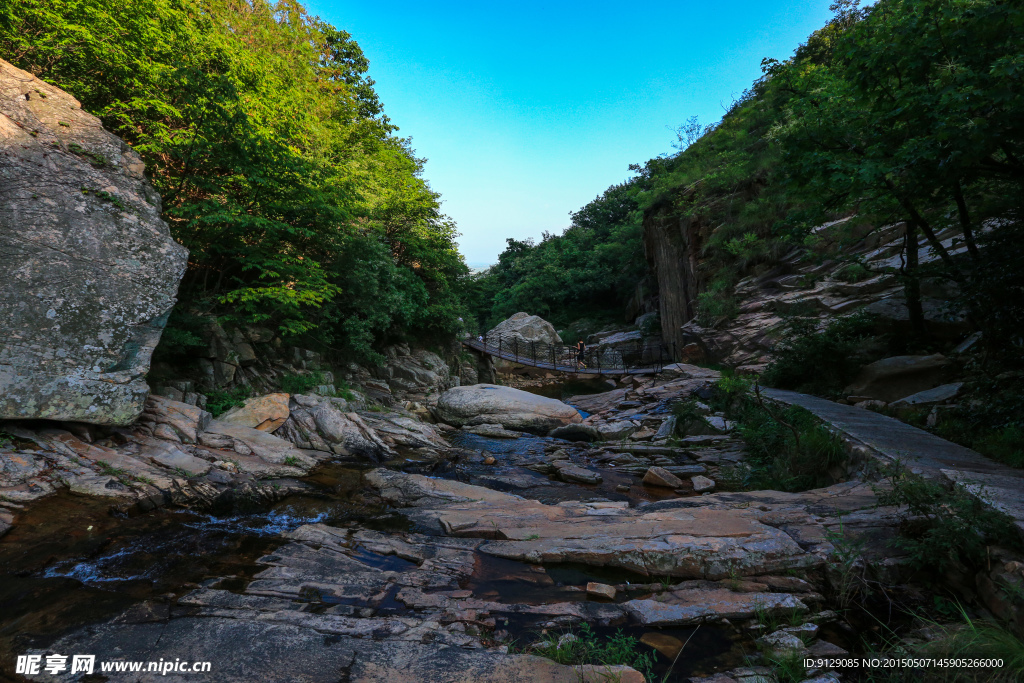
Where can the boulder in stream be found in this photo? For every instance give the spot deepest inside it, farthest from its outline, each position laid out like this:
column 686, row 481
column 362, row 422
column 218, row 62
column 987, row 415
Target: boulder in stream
column 511, row 408
column 526, row 328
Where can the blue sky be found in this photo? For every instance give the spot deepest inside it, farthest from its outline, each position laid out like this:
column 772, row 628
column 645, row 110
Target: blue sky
column 527, row 111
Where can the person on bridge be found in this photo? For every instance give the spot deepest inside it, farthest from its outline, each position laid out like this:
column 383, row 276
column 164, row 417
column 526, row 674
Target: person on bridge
column 581, row 354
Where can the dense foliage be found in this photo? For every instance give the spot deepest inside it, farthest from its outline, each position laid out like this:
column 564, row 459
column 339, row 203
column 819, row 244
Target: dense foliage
column 591, row 269
column 301, row 208
column 907, row 111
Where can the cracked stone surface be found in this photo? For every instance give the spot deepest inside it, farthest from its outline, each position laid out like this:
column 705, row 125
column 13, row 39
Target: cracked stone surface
column 91, row 269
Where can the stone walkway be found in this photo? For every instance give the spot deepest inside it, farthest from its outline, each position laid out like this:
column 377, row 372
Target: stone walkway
column 921, row 452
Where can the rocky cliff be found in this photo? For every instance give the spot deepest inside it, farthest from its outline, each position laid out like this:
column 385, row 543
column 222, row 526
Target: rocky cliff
column 820, row 282
column 91, row 271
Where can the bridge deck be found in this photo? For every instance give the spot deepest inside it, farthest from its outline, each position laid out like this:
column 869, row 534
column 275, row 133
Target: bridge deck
column 568, row 366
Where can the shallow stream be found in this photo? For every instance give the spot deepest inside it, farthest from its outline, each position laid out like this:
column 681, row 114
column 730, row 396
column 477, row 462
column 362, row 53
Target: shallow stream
column 70, row 561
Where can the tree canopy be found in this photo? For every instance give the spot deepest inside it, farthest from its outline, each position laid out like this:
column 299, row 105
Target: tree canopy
column 301, row 206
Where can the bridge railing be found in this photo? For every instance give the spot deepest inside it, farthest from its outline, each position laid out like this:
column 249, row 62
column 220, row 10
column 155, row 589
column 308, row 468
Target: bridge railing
column 648, row 355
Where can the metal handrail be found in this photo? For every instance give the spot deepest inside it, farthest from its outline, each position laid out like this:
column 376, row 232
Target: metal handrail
column 636, row 358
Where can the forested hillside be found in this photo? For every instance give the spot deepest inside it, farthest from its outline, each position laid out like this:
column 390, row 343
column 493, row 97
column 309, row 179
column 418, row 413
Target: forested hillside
column 906, row 111
column 302, row 208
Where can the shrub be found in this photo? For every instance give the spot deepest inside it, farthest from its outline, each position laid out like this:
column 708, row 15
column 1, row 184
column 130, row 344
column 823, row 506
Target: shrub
column 944, row 526
column 823, row 361
column 586, row 647
column 219, row 402
column 788, row 449
column 853, row 272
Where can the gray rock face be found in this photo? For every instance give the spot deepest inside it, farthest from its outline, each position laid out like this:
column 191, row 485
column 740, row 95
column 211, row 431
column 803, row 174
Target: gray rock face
column 91, row 271
column 894, row 378
column 526, row 327
column 511, row 408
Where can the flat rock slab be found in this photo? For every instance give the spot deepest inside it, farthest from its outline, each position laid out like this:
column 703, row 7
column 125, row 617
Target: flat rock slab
column 300, row 652
column 166, row 454
column 692, row 606
column 695, row 543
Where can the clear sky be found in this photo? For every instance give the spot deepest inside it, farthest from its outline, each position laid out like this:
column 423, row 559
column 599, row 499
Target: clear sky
column 528, row 110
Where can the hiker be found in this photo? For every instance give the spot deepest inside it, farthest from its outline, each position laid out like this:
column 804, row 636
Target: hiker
column 581, row 353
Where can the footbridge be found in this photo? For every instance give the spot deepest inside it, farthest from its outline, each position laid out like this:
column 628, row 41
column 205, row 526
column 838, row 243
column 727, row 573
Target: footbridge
column 646, row 357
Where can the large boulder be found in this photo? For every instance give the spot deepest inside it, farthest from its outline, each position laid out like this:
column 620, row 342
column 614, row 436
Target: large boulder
column 265, row 413
column 323, row 424
column 511, row 408
column 91, row 271
column 894, row 378
column 526, row 328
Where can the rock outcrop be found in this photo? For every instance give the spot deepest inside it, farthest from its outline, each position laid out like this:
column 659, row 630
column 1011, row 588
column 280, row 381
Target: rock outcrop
column 526, row 328
column 511, row 408
column 897, row 377
column 91, row 269
column 797, row 284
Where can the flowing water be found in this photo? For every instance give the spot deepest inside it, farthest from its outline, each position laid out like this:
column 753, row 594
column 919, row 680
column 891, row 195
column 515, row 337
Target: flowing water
column 70, row 561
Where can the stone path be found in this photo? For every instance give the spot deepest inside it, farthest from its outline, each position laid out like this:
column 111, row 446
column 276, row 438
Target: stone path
column 921, row 452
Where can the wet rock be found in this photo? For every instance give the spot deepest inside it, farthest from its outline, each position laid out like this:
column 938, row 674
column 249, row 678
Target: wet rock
column 693, row 543
column 601, row 590
column 495, row 431
column 702, row 484
column 667, row 429
column 265, row 413
column 571, row 473
column 691, row 606
column 512, row 408
column 576, row 432
column 615, row 431
column 659, row 476
column 597, row 403
column 525, row 328
column 92, row 269
column 663, row 643
column 897, row 377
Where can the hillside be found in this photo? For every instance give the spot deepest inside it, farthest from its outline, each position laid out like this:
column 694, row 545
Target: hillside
column 878, row 169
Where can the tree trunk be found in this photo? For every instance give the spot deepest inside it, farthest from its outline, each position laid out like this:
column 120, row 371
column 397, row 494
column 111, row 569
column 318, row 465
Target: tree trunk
column 912, row 281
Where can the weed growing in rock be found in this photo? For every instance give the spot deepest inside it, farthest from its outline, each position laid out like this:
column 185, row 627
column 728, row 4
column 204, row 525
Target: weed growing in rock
column 97, row 160
column 854, row 272
column 586, row 647
column 943, row 527
column 773, row 620
column 846, row 567
column 219, row 402
column 301, row 384
column 787, row 667
column 292, row 461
